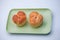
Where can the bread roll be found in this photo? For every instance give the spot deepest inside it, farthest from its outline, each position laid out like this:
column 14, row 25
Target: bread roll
column 35, row 19
column 19, row 18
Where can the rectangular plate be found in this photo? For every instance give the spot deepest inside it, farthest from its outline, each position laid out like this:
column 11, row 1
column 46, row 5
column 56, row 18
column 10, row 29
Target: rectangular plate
column 43, row 29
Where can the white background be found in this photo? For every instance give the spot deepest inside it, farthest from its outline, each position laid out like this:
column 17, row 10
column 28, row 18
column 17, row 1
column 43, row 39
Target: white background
column 7, row 5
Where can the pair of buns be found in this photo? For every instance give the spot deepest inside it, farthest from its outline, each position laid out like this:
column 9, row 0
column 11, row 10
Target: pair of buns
column 35, row 19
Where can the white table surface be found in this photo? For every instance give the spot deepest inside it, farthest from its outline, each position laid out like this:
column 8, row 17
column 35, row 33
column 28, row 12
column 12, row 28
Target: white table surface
column 7, row 5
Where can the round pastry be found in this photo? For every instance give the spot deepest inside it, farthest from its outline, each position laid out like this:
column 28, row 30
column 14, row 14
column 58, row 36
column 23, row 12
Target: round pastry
column 35, row 19
column 19, row 18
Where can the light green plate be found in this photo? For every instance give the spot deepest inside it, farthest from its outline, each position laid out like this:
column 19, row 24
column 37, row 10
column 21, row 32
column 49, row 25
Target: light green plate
column 45, row 28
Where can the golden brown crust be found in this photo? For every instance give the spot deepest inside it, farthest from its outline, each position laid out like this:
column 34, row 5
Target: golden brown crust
column 35, row 19
column 19, row 18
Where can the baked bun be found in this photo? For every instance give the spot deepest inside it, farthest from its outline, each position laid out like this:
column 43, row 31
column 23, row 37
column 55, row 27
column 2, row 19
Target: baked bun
column 35, row 19
column 19, row 18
